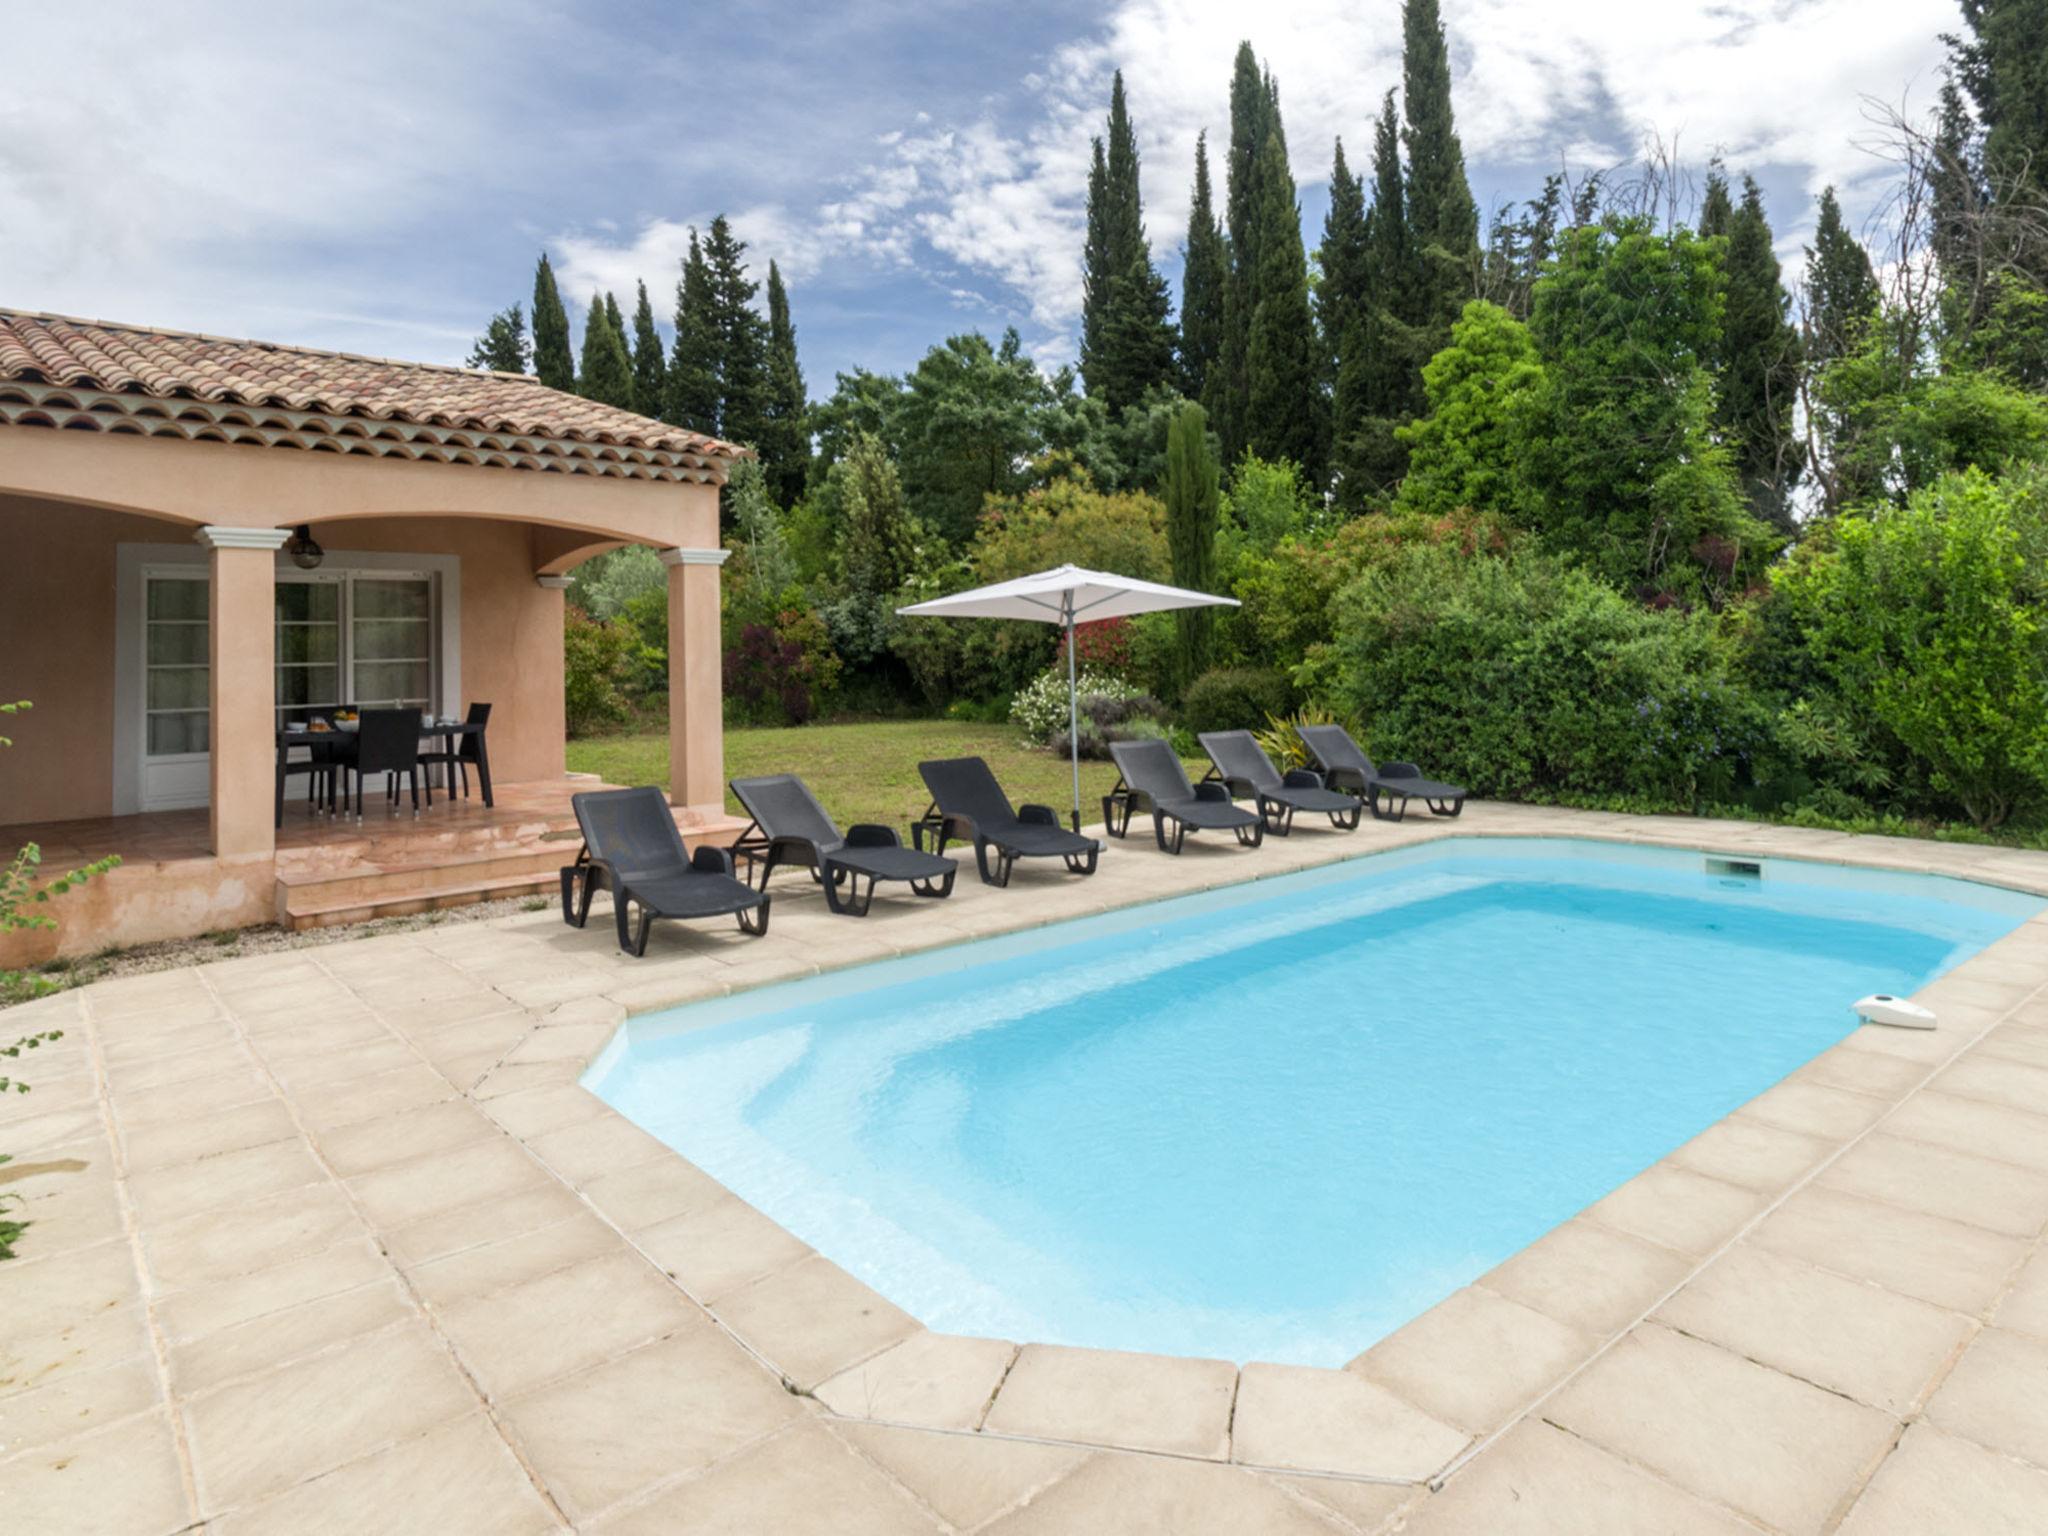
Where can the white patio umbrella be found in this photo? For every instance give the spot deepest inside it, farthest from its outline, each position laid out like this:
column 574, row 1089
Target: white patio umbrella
column 1066, row 595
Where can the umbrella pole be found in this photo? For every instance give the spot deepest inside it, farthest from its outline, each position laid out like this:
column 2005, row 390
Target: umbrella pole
column 1073, row 712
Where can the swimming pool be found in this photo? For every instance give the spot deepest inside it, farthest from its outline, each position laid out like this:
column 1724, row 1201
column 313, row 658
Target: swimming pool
column 1276, row 1121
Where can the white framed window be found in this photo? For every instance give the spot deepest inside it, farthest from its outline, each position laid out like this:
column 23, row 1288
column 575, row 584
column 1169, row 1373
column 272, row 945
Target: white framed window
column 176, row 668
column 366, row 639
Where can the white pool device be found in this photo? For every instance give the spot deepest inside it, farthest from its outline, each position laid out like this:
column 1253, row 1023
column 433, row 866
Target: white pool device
column 1883, row 1008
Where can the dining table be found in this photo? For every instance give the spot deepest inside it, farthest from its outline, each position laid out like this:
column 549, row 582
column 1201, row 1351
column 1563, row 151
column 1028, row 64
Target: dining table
column 340, row 746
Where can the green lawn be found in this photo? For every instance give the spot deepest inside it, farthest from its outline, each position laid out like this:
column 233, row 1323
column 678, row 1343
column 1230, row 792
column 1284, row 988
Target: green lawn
column 866, row 771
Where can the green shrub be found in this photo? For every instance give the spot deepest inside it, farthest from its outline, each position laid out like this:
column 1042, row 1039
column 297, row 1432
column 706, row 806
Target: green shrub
column 1529, row 679
column 1235, row 699
column 596, row 664
column 1927, row 625
column 782, row 672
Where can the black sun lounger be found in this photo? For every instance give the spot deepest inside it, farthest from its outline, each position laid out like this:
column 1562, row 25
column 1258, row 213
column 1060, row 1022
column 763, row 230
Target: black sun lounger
column 1242, row 767
column 967, row 802
column 790, row 827
column 1151, row 778
column 1345, row 766
column 631, row 848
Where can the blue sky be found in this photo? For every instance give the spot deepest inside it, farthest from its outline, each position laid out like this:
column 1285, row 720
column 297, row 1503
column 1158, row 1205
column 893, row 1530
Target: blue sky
column 381, row 182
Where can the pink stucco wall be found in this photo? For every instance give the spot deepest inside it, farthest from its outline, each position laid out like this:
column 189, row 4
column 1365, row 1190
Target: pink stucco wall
column 57, row 628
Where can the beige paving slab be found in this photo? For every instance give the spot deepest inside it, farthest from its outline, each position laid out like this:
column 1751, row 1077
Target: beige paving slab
column 163, row 1195
column 592, row 1148
column 1849, row 1336
column 1946, row 1262
column 494, row 1218
column 1475, row 1358
column 802, row 1482
column 397, row 1197
column 218, row 1244
column 1870, row 1072
column 718, row 1248
column 261, row 1434
column 2013, row 1084
column 1998, row 1396
column 935, row 1380
column 621, row 1427
column 1159, row 1496
column 1370, row 1508
column 1537, row 1480
column 1811, row 1108
column 1972, row 1125
column 236, row 1082
column 1937, row 1483
column 205, row 1309
column 1757, row 1156
column 652, row 1192
column 488, row 1267
column 1726, row 1428
column 35, row 1357
column 329, row 1105
column 529, row 1333
column 2025, row 1306
column 457, row 1479
column 1936, row 1181
column 1300, row 1418
column 165, row 1143
column 1678, row 1209
column 364, row 1145
column 44, row 1293
column 813, row 1320
column 1106, row 1397
column 536, row 1111
column 276, row 1337
column 1588, row 1276
column 124, row 1478
column 64, row 1213
column 74, row 1403
column 965, row 1479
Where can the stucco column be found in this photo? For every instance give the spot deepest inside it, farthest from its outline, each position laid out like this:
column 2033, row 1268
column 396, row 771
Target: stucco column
column 696, row 690
column 241, row 637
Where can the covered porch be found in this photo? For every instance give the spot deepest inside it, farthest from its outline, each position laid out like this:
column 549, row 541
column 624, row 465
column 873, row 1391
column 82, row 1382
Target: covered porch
column 210, row 541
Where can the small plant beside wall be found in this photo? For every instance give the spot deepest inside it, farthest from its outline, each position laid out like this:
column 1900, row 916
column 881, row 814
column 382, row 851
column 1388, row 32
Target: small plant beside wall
column 20, row 896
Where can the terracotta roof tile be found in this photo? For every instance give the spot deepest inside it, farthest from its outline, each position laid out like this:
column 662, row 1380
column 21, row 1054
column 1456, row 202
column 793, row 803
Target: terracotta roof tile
column 130, row 359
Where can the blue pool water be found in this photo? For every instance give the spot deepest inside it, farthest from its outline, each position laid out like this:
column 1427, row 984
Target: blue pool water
column 1276, row 1121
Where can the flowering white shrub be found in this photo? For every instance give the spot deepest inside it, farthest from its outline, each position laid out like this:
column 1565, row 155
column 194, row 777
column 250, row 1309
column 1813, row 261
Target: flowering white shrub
column 1040, row 710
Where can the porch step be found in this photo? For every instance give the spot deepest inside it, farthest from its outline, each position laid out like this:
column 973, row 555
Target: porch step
column 399, row 876
column 354, row 895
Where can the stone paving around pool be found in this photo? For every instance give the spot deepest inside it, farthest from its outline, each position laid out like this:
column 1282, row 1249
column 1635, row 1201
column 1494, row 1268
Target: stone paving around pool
column 332, row 1240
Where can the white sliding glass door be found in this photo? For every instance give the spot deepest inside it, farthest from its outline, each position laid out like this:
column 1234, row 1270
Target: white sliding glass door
column 371, row 638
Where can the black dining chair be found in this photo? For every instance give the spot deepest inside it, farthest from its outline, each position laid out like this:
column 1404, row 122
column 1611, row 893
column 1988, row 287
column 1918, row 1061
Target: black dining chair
column 465, row 751
column 388, row 742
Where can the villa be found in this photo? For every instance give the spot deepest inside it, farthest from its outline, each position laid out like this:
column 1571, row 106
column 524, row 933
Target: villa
column 911, row 1223
column 208, row 540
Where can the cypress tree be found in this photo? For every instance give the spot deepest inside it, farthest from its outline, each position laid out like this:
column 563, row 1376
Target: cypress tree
column 502, row 347
column 1127, row 337
column 1442, row 218
column 786, row 442
column 553, row 363
column 692, row 400
column 1192, row 512
column 1251, row 115
column 1345, row 290
column 1760, row 364
column 742, row 338
column 1841, row 288
column 1283, row 396
column 2002, row 65
column 1096, row 265
column 650, row 371
column 1717, row 209
column 1205, row 263
column 607, row 372
column 1379, row 385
